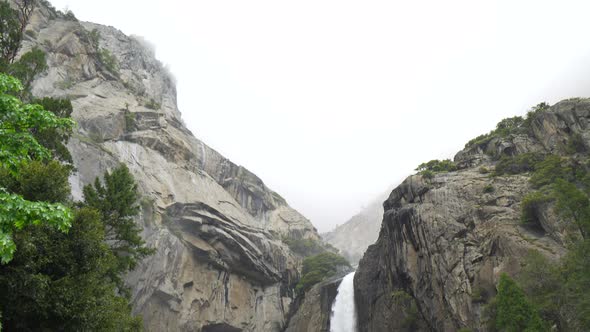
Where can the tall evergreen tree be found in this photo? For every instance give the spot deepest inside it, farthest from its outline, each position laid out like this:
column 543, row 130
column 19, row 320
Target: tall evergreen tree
column 514, row 312
column 116, row 199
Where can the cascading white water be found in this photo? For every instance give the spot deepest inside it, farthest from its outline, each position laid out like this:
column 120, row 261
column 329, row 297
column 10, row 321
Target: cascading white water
column 343, row 318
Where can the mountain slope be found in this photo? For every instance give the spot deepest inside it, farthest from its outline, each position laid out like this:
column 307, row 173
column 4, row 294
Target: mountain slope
column 354, row 236
column 219, row 262
column 447, row 237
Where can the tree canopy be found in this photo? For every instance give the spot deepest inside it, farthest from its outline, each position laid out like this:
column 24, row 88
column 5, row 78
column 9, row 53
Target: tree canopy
column 116, row 199
column 18, row 146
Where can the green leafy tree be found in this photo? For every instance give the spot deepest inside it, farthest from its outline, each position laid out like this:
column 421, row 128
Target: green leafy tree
column 61, row 281
column 17, row 147
column 116, row 199
column 514, row 313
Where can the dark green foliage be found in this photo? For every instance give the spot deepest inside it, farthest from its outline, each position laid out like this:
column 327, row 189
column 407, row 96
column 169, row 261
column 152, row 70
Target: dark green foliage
column 542, row 282
column 304, row 247
column 560, row 289
column 510, row 126
column 575, row 290
column 406, row 304
column 514, row 313
column 10, row 35
column 52, row 139
column 480, row 140
column 319, row 267
column 116, row 199
column 549, row 170
column 13, row 22
column 39, row 181
column 437, row 166
column 575, row 144
column 521, row 163
column 18, row 147
column 573, row 204
column 488, row 189
column 59, row 281
column 489, row 314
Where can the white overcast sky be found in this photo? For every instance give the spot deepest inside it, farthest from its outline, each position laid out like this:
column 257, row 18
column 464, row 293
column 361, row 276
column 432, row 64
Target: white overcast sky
column 331, row 102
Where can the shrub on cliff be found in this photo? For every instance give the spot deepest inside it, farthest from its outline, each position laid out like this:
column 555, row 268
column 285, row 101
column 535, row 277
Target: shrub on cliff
column 516, row 125
column 521, row 163
column 437, row 166
column 549, row 170
column 319, row 267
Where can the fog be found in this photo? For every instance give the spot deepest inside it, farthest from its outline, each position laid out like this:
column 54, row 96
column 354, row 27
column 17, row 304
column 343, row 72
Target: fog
column 331, row 102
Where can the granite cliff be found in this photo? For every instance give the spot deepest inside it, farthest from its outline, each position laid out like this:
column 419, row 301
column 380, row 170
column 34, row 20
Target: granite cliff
column 446, row 237
column 220, row 264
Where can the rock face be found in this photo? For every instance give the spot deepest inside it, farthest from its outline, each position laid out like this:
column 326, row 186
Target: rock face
column 445, row 241
column 313, row 314
column 219, row 264
column 353, row 237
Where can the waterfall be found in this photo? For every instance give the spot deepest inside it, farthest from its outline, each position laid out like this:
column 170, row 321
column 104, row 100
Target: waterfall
column 343, row 318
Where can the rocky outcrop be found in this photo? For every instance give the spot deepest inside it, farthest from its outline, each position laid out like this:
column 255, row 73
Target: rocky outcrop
column 219, row 264
column 444, row 241
column 354, row 236
column 314, row 310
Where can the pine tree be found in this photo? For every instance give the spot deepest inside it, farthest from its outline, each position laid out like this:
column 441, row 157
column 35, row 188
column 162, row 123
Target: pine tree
column 514, row 312
column 116, row 199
